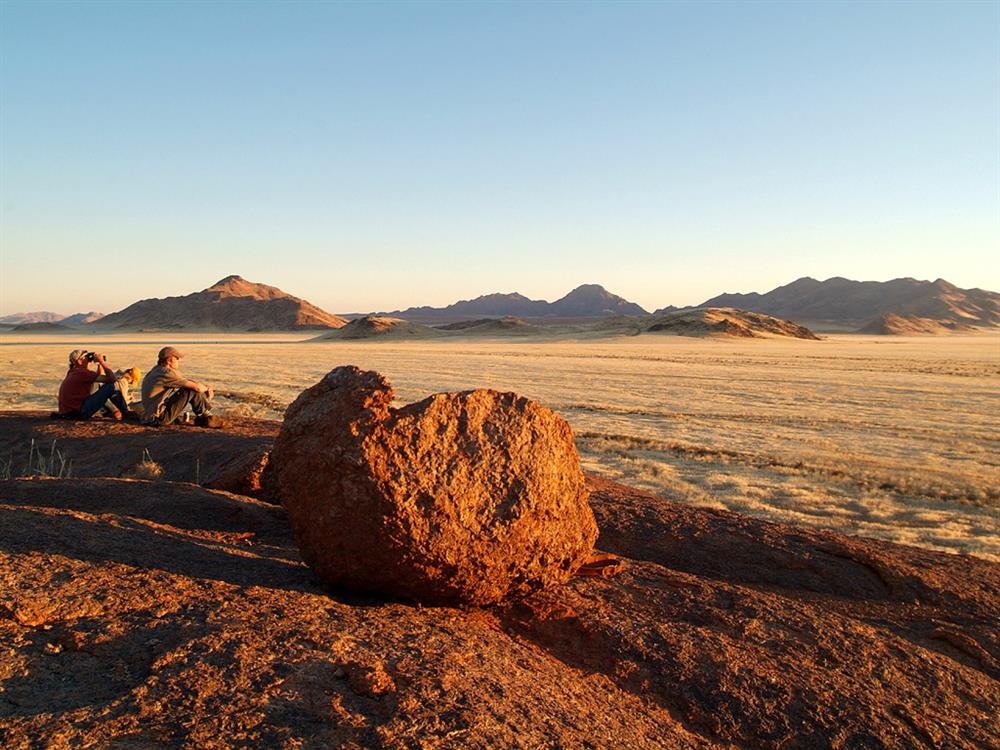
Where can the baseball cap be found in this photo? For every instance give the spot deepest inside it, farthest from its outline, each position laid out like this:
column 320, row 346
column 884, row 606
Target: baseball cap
column 76, row 354
column 169, row 351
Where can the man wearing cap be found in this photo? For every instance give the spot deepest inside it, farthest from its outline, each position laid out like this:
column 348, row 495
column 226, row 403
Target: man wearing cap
column 166, row 393
column 75, row 399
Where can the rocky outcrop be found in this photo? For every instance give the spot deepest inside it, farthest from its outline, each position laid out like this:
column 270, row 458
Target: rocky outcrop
column 725, row 322
column 233, row 459
column 231, row 304
column 162, row 614
column 468, row 497
column 168, row 615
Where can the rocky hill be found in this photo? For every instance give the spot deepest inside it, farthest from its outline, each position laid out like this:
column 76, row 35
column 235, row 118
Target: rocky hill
column 849, row 303
column 716, row 321
column 593, row 300
column 232, row 304
column 586, row 301
column 168, row 614
column 379, row 326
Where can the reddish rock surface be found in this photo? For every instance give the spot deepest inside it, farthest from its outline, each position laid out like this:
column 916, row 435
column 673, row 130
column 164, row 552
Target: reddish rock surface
column 463, row 497
column 232, row 459
column 139, row 614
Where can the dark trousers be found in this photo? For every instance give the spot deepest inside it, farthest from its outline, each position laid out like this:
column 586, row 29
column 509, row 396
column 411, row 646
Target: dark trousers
column 100, row 397
column 177, row 401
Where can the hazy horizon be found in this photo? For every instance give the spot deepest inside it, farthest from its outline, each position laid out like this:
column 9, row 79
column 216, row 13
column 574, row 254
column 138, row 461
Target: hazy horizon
column 383, row 156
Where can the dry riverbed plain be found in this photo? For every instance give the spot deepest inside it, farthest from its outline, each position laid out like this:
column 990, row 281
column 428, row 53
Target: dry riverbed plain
column 892, row 438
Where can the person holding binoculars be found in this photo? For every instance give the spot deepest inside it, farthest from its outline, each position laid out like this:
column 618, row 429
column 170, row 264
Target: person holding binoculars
column 75, row 398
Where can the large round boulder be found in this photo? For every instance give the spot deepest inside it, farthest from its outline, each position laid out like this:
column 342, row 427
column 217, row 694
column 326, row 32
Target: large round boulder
column 468, row 497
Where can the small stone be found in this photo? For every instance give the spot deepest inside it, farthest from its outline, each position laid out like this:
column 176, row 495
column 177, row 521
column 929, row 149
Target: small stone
column 369, row 679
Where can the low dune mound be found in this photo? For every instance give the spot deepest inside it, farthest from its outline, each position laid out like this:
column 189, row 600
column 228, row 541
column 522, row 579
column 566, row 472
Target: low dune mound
column 508, row 325
column 726, row 321
column 380, row 326
column 625, row 324
column 164, row 614
column 891, row 324
column 468, row 497
column 41, row 327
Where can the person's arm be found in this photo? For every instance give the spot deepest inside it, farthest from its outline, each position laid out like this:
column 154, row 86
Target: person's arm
column 173, row 379
column 195, row 386
column 106, row 375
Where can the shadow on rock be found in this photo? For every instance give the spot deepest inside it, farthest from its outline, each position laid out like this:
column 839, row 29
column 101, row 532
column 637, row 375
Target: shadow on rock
column 72, row 667
column 179, row 529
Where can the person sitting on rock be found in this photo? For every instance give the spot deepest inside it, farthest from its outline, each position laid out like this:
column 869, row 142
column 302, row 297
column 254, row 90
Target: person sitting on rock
column 166, row 394
column 75, row 398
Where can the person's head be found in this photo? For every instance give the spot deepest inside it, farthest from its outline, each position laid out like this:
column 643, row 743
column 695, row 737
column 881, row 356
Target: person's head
column 79, row 358
column 168, row 356
column 134, row 375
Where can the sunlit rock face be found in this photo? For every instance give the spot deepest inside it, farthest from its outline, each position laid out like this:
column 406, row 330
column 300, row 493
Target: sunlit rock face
column 469, row 497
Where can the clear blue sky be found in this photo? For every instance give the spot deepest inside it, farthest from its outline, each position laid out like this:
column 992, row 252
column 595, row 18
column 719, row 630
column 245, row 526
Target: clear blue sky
column 380, row 155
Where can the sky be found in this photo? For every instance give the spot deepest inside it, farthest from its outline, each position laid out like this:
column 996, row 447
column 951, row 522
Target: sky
column 374, row 156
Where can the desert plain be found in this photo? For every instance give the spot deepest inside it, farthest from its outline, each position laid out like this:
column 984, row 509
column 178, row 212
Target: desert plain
column 894, row 438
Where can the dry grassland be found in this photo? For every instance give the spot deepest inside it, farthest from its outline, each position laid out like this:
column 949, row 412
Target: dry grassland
column 894, row 438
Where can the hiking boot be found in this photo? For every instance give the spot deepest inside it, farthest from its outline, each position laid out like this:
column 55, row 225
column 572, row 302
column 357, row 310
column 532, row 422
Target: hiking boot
column 208, row 420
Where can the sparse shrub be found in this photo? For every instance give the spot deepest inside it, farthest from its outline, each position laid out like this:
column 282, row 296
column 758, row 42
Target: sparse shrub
column 40, row 464
column 146, row 469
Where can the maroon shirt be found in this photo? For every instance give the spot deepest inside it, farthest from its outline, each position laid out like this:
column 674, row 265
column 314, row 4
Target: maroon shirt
column 75, row 389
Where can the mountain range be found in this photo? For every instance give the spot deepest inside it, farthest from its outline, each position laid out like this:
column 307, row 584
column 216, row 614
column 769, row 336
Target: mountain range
column 843, row 302
column 900, row 306
column 586, row 301
column 29, row 318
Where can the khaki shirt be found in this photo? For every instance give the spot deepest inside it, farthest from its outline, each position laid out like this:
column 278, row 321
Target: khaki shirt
column 158, row 384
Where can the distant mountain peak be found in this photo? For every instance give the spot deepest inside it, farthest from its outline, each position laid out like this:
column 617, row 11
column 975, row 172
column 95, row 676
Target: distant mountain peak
column 233, row 279
column 594, row 300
